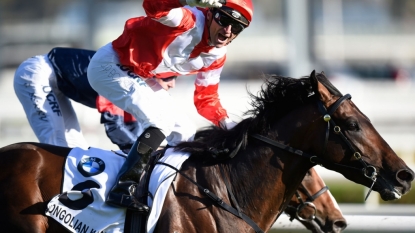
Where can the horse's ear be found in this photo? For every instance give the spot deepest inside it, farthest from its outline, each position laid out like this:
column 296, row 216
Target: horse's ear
column 322, row 92
column 313, row 80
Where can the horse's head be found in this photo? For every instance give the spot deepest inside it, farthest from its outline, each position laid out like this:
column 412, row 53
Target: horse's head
column 295, row 124
column 352, row 146
column 315, row 207
column 311, row 118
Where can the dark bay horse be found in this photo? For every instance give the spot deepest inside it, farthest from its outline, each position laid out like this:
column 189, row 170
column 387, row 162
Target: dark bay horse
column 294, row 125
column 37, row 176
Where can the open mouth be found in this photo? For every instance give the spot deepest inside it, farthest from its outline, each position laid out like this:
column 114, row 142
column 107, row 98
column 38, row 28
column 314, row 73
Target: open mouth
column 387, row 190
column 398, row 194
column 222, row 38
column 390, row 194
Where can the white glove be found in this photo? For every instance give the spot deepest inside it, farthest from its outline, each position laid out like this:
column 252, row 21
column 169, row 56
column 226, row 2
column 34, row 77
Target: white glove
column 227, row 123
column 204, row 3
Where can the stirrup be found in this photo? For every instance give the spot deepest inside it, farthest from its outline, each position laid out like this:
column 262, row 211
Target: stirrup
column 126, row 201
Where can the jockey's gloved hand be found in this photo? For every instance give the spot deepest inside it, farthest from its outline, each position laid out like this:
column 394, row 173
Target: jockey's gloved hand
column 227, row 123
column 204, row 3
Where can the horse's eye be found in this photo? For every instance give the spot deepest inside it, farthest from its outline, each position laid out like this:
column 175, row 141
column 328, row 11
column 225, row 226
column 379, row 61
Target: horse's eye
column 352, row 126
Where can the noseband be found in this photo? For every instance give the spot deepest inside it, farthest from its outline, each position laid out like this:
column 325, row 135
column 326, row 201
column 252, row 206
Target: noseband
column 307, row 202
column 367, row 170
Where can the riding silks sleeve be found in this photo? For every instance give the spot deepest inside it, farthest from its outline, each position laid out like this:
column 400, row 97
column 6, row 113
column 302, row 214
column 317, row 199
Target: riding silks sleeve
column 206, row 100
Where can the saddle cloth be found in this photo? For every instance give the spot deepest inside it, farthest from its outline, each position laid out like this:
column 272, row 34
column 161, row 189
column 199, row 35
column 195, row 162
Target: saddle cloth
column 89, row 175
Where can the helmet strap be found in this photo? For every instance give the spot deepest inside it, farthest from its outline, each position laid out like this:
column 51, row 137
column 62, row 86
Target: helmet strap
column 210, row 24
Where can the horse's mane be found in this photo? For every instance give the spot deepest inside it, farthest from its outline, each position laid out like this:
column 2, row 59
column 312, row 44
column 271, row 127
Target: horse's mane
column 278, row 96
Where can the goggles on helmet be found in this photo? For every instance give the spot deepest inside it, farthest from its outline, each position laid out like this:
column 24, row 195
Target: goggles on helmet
column 224, row 19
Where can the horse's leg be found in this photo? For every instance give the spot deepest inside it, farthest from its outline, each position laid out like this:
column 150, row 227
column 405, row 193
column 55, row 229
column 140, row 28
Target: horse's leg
column 29, row 177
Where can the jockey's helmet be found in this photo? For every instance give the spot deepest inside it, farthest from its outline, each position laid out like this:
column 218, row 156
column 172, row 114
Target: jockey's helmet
column 240, row 10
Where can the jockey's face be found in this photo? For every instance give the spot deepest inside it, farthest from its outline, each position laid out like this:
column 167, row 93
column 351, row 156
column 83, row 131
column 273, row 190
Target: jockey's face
column 166, row 83
column 219, row 36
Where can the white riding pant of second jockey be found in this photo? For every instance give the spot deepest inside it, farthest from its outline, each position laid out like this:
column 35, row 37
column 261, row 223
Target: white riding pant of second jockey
column 48, row 110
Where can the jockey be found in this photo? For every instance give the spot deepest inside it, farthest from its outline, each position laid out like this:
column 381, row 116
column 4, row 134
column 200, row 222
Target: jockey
column 177, row 37
column 45, row 83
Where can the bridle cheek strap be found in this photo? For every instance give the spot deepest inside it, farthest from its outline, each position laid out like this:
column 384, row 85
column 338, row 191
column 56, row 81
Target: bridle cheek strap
column 366, row 170
column 320, row 161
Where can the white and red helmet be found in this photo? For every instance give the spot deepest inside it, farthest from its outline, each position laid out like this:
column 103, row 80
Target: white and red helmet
column 244, row 7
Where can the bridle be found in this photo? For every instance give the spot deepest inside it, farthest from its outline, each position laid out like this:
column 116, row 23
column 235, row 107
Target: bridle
column 337, row 130
column 312, row 158
column 304, row 203
column 368, row 171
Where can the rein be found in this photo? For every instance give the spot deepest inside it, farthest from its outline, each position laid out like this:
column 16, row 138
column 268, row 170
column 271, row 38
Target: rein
column 219, row 201
column 337, row 130
column 307, row 202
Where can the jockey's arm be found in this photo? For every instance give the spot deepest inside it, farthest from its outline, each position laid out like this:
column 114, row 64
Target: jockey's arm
column 206, row 97
column 157, row 9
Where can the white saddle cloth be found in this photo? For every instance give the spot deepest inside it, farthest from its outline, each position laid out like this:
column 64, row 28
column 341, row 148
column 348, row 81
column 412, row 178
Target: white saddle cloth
column 88, row 176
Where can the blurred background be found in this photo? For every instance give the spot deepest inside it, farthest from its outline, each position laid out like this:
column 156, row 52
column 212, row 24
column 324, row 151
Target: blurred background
column 366, row 48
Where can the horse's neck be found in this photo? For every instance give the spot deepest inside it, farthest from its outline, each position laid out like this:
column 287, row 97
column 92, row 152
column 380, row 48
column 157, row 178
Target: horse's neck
column 293, row 174
column 264, row 185
column 297, row 134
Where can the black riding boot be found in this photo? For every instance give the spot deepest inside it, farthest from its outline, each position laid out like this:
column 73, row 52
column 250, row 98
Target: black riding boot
column 121, row 193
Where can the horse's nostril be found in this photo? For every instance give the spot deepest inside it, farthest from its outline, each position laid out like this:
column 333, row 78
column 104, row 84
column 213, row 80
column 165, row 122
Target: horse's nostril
column 340, row 224
column 405, row 175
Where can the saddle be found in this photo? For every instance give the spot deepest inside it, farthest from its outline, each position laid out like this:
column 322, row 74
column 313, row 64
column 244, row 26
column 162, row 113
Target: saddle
column 136, row 222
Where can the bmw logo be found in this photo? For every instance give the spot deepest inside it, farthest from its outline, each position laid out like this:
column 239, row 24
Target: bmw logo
column 91, row 166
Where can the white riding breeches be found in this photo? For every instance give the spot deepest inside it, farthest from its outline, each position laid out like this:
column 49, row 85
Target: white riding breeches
column 145, row 99
column 48, row 110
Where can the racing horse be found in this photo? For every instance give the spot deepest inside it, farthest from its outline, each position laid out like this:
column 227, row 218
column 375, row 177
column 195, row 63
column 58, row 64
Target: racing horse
column 37, row 176
column 241, row 180
column 294, row 125
column 315, row 207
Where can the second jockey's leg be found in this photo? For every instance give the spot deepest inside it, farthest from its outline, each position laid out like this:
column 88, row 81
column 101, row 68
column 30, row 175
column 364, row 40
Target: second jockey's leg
column 49, row 112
